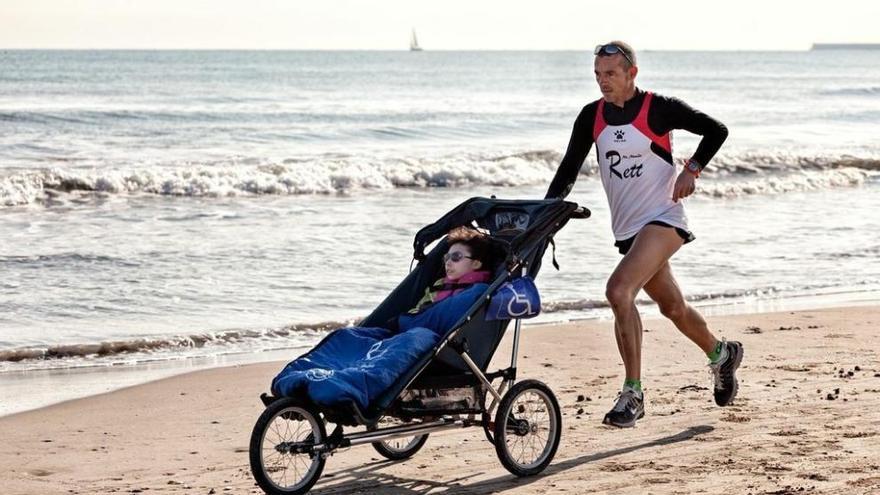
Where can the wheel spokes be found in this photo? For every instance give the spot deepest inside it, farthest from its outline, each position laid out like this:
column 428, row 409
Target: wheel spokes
column 284, row 465
column 529, row 444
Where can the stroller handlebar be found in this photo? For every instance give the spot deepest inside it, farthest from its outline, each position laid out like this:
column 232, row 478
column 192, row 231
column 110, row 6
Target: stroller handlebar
column 581, row 212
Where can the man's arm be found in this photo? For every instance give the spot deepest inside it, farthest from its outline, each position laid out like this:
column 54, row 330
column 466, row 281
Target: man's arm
column 676, row 114
column 578, row 147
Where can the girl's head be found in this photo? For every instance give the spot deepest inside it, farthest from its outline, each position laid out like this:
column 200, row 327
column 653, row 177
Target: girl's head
column 468, row 252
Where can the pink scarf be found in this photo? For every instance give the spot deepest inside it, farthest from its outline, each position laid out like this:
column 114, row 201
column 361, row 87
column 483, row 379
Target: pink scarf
column 468, row 278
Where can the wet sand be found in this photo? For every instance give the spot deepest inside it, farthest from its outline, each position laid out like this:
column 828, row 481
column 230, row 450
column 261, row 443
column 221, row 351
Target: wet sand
column 807, row 420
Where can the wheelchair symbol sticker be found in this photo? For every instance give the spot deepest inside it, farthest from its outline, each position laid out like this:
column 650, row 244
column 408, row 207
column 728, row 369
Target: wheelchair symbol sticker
column 518, row 305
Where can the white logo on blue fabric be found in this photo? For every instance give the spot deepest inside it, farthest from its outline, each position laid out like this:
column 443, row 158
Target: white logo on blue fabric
column 318, row 374
column 375, row 352
column 511, row 221
column 517, row 298
column 519, row 304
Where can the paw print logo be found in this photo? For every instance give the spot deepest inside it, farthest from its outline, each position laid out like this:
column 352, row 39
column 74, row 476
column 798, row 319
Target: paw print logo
column 618, row 135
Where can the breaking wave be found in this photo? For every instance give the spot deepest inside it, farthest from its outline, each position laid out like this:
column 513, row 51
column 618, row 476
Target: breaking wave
column 730, row 175
column 852, row 91
column 278, row 338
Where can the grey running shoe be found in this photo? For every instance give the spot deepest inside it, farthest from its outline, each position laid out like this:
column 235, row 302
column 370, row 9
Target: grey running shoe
column 724, row 373
column 630, row 407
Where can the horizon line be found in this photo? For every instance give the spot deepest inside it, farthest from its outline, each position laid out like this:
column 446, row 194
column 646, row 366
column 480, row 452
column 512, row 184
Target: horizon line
column 807, row 49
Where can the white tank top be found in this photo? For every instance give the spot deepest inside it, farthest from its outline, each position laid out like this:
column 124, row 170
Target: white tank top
column 637, row 181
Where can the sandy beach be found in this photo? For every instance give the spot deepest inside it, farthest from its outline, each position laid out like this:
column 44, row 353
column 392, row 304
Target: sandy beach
column 807, row 420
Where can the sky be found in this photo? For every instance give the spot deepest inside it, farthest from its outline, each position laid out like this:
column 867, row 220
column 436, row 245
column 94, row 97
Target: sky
column 441, row 25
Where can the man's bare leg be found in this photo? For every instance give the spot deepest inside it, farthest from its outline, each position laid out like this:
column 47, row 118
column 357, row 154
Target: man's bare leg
column 650, row 251
column 664, row 290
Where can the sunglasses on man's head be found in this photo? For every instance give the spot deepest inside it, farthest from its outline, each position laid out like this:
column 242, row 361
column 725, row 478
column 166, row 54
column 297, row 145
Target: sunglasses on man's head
column 611, row 49
column 455, row 257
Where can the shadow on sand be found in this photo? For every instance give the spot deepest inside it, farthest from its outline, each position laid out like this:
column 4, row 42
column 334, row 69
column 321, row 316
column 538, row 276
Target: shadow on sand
column 370, row 478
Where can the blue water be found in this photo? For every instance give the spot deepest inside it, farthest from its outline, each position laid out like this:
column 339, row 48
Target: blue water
column 159, row 204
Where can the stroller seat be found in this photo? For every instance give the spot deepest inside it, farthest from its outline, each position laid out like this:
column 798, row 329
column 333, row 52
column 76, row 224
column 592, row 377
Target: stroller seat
column 358, row 364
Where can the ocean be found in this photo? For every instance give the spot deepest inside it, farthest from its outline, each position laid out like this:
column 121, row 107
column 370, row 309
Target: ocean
column 169, row 210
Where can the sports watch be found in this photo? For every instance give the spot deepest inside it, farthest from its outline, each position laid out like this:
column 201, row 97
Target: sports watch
column 693, row 167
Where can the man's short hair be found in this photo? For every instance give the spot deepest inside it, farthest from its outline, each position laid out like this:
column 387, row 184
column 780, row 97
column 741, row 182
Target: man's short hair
column 627, row 51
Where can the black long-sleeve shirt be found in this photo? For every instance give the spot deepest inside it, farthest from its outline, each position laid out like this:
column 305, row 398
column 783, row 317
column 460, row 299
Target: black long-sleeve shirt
column 666, row 113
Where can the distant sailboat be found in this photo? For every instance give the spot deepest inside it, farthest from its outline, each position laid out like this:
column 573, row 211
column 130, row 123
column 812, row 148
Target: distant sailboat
column 414, row 43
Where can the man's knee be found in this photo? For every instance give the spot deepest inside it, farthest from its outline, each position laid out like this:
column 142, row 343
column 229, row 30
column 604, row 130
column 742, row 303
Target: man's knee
column 619, row 295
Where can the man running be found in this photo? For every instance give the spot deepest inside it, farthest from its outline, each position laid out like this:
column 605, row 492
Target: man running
column 631, row 129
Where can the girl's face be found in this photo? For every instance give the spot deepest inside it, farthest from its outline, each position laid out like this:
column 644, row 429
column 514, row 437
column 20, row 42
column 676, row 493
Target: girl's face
column 459, row 263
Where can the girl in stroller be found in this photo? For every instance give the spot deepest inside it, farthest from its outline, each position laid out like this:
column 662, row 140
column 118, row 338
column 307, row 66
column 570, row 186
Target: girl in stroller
column 336, row 370
column 468, row 255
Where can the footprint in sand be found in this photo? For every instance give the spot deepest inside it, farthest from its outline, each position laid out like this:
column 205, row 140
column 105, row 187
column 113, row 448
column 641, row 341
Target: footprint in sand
column 734, row 418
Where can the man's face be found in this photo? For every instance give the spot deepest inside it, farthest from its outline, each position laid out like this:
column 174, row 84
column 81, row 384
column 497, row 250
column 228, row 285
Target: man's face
column 614, row 81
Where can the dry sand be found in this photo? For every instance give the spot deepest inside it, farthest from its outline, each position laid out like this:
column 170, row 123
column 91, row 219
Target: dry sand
column 807, row 420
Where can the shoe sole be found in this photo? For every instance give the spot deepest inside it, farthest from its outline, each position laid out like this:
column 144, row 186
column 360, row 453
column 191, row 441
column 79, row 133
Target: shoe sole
column 736, row 362
column 632, row 423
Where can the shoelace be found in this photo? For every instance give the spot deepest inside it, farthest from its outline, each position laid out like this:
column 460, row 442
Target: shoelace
column 715, row 369
column 715, row 373
column 625, row 399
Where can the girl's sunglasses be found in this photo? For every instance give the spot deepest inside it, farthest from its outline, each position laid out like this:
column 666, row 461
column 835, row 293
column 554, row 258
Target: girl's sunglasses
column 455, row 257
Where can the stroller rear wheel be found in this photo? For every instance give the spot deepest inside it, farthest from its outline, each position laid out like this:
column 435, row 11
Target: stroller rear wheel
column 528, row 425
column 399, row 449
column 282, row 454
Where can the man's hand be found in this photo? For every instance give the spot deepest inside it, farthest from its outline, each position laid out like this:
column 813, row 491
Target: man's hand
column 685, row 185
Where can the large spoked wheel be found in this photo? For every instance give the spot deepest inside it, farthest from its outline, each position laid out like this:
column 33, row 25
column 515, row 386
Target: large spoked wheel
column 398, row 449
column 283, row 459
column 528, row 425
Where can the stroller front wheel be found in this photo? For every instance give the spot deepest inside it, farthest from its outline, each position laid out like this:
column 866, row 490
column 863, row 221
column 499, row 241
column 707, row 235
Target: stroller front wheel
column 283, row 457
column 528, row 426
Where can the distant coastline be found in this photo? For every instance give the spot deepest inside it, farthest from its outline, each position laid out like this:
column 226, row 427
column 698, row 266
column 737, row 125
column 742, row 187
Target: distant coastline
column 845, row 46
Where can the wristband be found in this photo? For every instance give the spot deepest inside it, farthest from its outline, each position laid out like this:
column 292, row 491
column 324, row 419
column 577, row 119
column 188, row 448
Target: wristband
column 693, row 167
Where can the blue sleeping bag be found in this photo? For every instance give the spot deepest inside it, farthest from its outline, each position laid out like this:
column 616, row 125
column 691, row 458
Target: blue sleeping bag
column 359, row 364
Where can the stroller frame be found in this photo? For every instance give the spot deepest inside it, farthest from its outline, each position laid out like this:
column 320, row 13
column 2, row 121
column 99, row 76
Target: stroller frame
column 418, row 422
column 450, row 422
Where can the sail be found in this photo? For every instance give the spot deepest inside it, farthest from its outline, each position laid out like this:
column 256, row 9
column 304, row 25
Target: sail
column 414, row 43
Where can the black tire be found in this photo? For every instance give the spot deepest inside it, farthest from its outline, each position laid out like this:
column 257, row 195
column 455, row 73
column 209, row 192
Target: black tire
column 398, row 449
column 488, row 424
column 488, row 428
column 527, row 418
column 286, row 422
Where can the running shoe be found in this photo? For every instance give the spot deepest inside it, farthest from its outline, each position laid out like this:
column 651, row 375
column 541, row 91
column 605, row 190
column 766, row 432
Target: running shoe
column 724, row 373
column 630, row 407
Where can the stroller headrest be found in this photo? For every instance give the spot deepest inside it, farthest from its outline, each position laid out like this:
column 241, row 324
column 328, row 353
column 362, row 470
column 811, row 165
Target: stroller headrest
column 508, row 221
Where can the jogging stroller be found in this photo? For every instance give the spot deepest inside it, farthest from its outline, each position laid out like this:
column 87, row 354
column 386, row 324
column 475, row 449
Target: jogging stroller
column 449, row 386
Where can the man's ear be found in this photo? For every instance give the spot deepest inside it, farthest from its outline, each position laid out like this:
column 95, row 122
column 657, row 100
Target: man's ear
column 478, row 264
column 633, row 71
